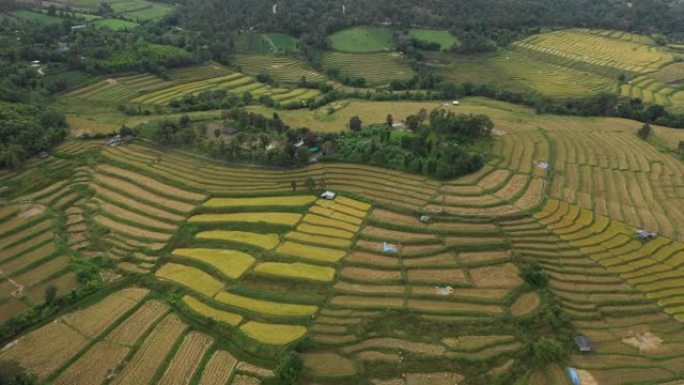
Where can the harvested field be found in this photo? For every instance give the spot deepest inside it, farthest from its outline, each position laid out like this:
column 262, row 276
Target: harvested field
column 142, row 194
column 504, row 275
column 355, row 288
column 444, row 276
column 475, row 343
column 314, row 253
column 230, row 263
column 525, row 304
column 265, row 307
column 191, row 278
column 264, row 241
column 370, row 275
column 328, row 364
column 144, row 363
column 58, row 343
column 242, row 379
column 133, row 327
column 273, row 334
column 187, row 359
column 396, row 344
column 476, row 257
column 94, row 366
column 367, row 302
column 211, row 312
column 285, row 219
column 435, row 306
column 284, row 201
column 129, row 230
column 441, row 378
column 392, row 235
column 219, row 369
column 362, row 258
column 296, row 270
column 443, row 259
column 151, row 184
column 392, row 217
column 94, row 319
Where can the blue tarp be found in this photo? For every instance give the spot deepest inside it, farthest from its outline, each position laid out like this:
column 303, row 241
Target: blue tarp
column 574, row 377
column 389, row 248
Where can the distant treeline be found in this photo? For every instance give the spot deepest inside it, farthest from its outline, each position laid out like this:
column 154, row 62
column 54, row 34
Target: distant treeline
column 498, row 20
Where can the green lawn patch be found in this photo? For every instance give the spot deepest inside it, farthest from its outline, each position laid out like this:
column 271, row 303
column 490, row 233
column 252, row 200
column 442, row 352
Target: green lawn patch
column 363, row 39
column 443, row 38
column 36, row 17
column 116, row 24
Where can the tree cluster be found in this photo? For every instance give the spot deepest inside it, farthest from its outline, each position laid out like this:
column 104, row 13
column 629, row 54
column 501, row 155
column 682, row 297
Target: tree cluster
column 435, row 144
column 26, row 130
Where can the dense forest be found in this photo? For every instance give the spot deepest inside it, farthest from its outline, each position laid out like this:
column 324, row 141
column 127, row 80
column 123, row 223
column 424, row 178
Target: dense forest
column 499, row 20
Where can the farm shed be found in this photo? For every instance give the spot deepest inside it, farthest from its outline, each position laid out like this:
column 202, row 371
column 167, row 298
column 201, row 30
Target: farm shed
column 583, row 344
column 645, row 235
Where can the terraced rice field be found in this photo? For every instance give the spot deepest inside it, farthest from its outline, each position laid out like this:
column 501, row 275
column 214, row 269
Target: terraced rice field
column 147, row 89
column 241, row 270
column 283, row 69
column 378, row 69
column 584, row 46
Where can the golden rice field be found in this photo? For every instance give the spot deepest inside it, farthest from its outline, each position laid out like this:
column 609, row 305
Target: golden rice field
column 215, row 272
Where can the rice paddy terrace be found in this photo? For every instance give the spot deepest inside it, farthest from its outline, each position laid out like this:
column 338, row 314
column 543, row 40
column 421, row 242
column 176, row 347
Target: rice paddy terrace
column 576, row 62
column 211, row 273
column 151, row 90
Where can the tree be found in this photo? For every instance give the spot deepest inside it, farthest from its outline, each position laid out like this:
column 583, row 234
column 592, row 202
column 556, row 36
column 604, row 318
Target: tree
column 302, row 155
column 294, row 185
column 390, row 121
column 547, row 350
column 645, row 131
column 310, row 184
column 680, row 149
column 12, row 374
column 535, row 276
column 50, row 294
column 288, row 371
column 355, row 123
column 217, row 132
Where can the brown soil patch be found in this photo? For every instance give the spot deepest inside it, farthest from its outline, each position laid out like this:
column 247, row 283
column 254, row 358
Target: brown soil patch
column 646, row 342
column 32, row 211
column 397, row 344
column 328, row 364
column 465, row 226
column 445, row 259
column 367, row 302
column 333, row 339
column 513, row 187
column 482, row 256
column 442, row 378
column 387, row 235
column 434, row 306
column 504, row 275
column 355, row 288
column 391, row 217
column 378, row 356
column 420, row 249
column 448, row 276
column 494, row 179
column 586, row 378
column 525, row 304
column 372, row 259
column 364, row 274
column 471, row 241
column 111, row 81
